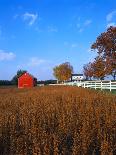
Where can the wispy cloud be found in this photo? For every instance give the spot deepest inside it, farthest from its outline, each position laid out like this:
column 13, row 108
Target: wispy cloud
column 6, row 55
column 111, row 21
column 87, row 22
column 30, row 18
column 74, row 45
column 84, row 25
column 111, row 24
column 81, row 30
column 110, row 16
column 35, row 61
column 70, row 45
column 52, row 29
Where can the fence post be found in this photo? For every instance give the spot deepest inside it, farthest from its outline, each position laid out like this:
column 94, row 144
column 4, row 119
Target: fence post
column 101, row 85
column 84, row 85
column 110, row 86
column 78, row 83
column 95, row 84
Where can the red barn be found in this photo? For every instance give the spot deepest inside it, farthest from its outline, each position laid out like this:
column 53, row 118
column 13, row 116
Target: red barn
column 26, row 81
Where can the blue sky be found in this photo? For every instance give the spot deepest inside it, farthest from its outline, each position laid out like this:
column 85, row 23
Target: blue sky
column 36, row 35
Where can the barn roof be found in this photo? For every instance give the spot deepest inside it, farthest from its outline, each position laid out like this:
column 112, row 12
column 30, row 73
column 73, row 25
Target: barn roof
column 28, row 74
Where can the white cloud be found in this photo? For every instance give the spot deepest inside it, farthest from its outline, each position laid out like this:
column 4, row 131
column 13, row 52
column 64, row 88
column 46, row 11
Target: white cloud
column 35, row 61
column 30, row 18
column 6, row 55
column 111, row 21
column 70, row 45
column 52, row 29
column 87, row 22
column 84, row 25
column 110, row 16
column 111, row 24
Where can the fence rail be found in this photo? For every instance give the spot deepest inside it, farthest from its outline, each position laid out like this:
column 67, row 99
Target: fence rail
column 110, row 85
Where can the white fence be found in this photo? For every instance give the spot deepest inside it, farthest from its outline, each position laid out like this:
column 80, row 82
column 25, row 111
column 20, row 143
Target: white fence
column 95, row 84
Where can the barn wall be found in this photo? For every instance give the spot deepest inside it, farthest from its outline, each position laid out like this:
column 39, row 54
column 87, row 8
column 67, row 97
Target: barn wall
column 25, row 81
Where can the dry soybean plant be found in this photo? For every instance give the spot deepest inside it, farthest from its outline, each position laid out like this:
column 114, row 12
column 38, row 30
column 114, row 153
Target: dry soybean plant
column 57, row 120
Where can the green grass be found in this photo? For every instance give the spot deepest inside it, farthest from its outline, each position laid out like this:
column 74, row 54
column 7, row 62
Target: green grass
column 108, row 91
column 105, row 91
column 112, row 92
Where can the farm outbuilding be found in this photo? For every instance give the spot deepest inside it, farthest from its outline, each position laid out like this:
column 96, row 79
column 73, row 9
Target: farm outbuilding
column 26, row 81
column 77, row 77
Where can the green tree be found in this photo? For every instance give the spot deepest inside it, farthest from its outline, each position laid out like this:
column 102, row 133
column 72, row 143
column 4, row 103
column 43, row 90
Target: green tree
column 63, row 71
column 18, row 74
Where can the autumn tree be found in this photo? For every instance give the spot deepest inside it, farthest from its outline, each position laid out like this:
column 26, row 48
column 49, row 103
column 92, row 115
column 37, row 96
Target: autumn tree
column 99, row 68
column 105, row 46
column 63, row 71
column 88, row 70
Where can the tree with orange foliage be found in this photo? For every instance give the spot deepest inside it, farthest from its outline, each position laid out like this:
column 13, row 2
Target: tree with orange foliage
column 105, row 46
column 63, row 71
column 99, row 68
column 88, row 71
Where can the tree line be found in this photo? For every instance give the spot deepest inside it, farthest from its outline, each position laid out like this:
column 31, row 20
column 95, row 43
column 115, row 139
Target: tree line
column 5, row 82
column 103, row 65
column 14, row 80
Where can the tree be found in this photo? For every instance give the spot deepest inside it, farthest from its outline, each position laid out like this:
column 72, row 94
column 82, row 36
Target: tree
column 63, row 71
column 88, row 71
column 5, row 82
column 105, row 45
column 18, row 74
column 99, row 68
